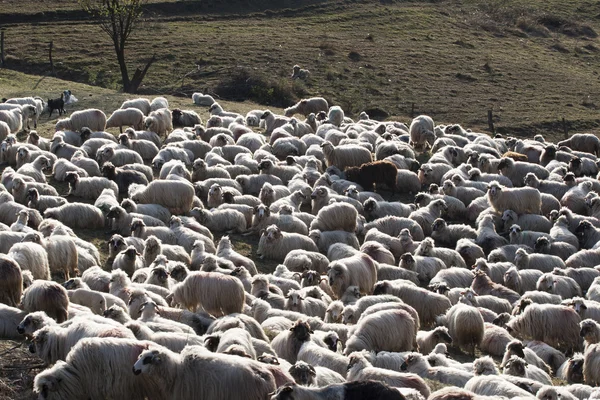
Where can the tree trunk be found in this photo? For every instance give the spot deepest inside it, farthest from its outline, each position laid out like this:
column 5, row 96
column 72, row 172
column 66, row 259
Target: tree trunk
column 139, row 75
column 123, row 66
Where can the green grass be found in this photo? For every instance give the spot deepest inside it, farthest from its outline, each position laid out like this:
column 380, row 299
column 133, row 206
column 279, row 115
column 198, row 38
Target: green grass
column 531, row 62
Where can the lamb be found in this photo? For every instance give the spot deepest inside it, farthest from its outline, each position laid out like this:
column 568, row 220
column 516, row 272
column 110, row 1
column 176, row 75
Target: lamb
column 130, row 117
column 91, row 118
column 46, row 296
column 345, row 155
column 349, row 390
column 427, row 340
column 538, row 322
column 176, row 196
column 159, row 121
column 198, row 289
column 275, row 244
column 77, row 215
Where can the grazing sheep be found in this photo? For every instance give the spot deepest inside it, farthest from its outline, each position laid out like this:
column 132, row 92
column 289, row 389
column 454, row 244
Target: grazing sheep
column 130, row 117
column 225, row 250
column 77, row 215
column 368, row 334
column 141, row 104
column 182, row 118
column 61, row 250
column 91, row 118
column 377, row 172
column 350, row 390
column 88, row 188
column 345, row 155
column 46, row 296
column 586, row 142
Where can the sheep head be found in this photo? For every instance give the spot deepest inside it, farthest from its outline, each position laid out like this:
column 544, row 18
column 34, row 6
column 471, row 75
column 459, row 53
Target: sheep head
column 146, row 360
column 381, row 287
column 301, row 331
column 494, row 189
column 179, row 272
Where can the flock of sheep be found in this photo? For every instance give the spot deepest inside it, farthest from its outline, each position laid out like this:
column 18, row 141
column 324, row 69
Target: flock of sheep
column 498, row 254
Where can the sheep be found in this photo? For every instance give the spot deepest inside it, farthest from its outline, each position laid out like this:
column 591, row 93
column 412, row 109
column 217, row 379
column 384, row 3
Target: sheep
column 12, row 281
column 530, row 222
column 46, row 296
column 88, row 188
column 110, row 358
column 491, row 385
column 176, row 196
column 520, row 200
column 222, row 220
column 301, row 260
column 516, row 348
column 202, row 99
column 349, row 390
column 225, row 250
column 35, row 169
column 465, row 326
column 374, row 209
column 132, row 117
column 561, row 285
column 359, row 270
column 421, row 132
column 128, row 260
column 369, row 336
column 31, row 257
column 61, row 250
column 516, row 170
column 13, row 118
column 307, row 106
column 20, row 189
column 483, row 285
column 427, row 340
column 416, row 363
column 305, row 305
column 275, row 244
column 345, row 155
column 197, row 290
column 537, row 323
column 540, row 262
column 159, row 121
column 562, row 250
column 164, row 366
column 521, row 281
column 463, row 193
column 141, row 104
column 586, row 142
column 449, row 235
column 516, row 366
column 118, row 156
column 182, row 118
column 428, row 305
column 308, row 375
column 556, row 189
column 153, row 247
column 574, row 199
column 91, row 118
column 77, row 215
column 453, row 277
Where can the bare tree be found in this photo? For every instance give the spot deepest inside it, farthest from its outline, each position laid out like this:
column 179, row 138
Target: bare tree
column 118, row 18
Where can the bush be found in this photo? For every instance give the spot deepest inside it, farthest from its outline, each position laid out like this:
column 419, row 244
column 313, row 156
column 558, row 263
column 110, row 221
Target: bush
column 246, row 84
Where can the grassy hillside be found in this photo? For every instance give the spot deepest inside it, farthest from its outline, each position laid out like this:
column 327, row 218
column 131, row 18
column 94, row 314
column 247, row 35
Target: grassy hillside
column 531, row 62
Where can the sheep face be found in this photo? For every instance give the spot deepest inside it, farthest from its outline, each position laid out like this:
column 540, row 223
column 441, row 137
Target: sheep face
column 146, row 360
column 515, row 366
column 117, row 243
column 31, row 323
column 516, row 347
column 438, row 225
column 408, row 361
column 175, row 222
column 494, row 189
column 301, row 331
column 179, row 272
column 303, row 373
column 161, row 274
column 380, row 288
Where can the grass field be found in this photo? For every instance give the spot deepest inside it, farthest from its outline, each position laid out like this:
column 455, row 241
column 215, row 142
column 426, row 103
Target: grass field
column 531, row 62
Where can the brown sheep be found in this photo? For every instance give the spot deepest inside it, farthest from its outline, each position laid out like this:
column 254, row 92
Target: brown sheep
column 11, row 281
column 376, row 172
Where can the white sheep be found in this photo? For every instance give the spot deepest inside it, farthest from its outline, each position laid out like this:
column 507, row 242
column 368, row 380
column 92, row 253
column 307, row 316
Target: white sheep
column 91, row 118
column 216, row 293
column 159, row 102
column 31, row 257
column 129, row 117
column 141, row 104
column 13, row 118
column 346, row 155
column 205, row 100
column 77, row 215
column 177, row 196
column 159, row 121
